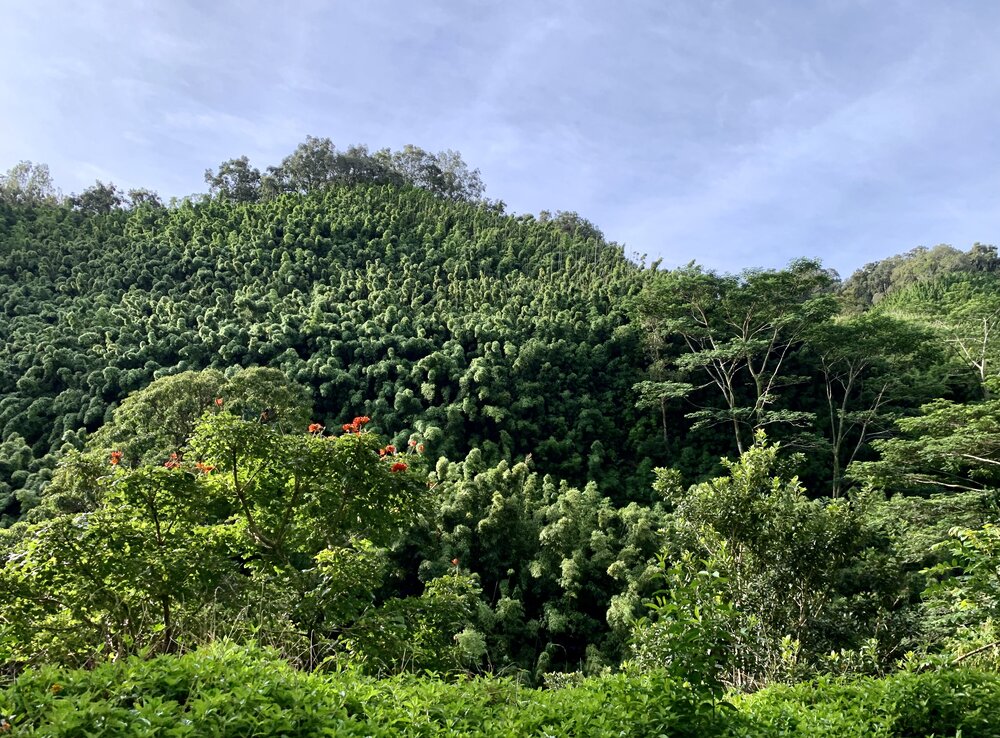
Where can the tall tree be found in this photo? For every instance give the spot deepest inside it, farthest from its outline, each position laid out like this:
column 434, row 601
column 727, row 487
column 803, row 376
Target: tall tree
column 28, row 184
column 948, row 447
column 445, row 174
column 98, row 199
column 737, row 333
column 141, row 196
column 312, row 166
column 235, row 180
column 868, row 364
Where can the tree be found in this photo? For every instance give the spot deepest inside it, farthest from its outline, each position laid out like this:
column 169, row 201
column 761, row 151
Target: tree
column 160, row 419
column 142, row 197
column 878, row 280
column 963, row 594
column 949, row 446
column 99, row 199
column 244, row 507
column 356, row 165
column 131, row 574
column 311, row 167
column 738, row 331
column 28, row 184
column 868, row 363
column 790, row 566
column 235, row 180
column 965, row 310
column 445, row 174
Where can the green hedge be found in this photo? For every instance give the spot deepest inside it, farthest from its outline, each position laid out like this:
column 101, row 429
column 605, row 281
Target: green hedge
column 234, row 691
column 958, row 703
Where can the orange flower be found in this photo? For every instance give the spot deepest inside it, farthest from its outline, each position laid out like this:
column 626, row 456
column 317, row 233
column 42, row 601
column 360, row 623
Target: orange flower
column 412, row 443
column 398, row 467
column 203, row 467
column 315, row 428
column 355, row 425
column 218, row 402
column 173, row 462
column 420, row 448
column 454, row 562
column 116, row 457
column 390, row 449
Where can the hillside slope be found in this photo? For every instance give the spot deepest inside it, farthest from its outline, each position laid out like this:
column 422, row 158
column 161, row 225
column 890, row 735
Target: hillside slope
column 450, row 320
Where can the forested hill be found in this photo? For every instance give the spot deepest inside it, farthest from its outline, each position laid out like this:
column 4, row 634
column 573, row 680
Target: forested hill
column 443, row 318
column 305, row 406
column 875, row 281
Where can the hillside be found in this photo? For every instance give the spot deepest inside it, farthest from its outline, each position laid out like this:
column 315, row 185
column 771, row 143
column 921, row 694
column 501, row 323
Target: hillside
column 448, row 319
column 362, row 416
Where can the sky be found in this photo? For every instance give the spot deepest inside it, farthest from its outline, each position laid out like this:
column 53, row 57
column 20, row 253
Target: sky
column 736, row 134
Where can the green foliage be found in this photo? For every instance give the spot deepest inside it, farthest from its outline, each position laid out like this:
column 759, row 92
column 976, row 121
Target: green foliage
column 878, row 280
column 949, row 446
column 122, row 578
column 444, row 320
column 804, row 576
column 688, row 631
column 562, row 570
column 871, row 367
column 164, row 490
column 737, row 333
column 964, row 310
column 237, row 691
column 227, row 691
column 27, row 184
column 242, row 511
column 952, row 703
column 98, row 199
column 435, row 631
column 964, row 593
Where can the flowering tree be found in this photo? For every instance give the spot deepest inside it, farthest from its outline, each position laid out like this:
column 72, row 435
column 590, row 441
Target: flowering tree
column 242, row 508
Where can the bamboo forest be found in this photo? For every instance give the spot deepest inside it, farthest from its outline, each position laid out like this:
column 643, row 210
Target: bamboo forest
column 342, row 447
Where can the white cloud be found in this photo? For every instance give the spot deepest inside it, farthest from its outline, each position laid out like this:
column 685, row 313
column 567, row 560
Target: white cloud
column 734, row 132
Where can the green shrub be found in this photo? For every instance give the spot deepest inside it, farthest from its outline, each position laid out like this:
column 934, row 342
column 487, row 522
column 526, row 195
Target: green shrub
column 227, row 690
column 944, row 703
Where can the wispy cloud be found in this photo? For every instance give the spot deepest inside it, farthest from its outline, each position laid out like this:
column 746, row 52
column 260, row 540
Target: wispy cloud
column 735, row 133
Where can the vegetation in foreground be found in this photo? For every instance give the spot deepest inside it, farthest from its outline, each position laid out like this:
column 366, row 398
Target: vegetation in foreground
column 226, row 690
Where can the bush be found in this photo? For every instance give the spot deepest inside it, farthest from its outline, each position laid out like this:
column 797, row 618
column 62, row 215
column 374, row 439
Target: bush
column 228, row 690
column 956, row 702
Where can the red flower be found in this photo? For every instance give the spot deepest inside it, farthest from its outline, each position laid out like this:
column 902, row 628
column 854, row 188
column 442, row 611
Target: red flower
column 398, row 467
column 315, row 428
column 173, row 462
column 412, row 443
column 355, row 425
column 390, row 449
column 116, row 457
column 218, row 402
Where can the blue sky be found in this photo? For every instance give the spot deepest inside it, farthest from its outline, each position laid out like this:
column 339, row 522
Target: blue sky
column 735, row 133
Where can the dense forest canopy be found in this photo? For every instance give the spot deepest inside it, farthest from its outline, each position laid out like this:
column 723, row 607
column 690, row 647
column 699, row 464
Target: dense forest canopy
column 353, row 410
